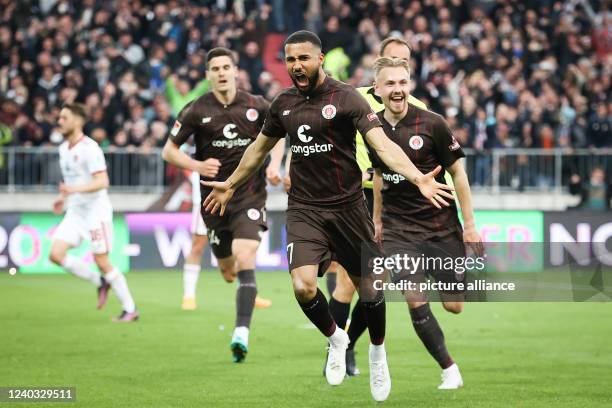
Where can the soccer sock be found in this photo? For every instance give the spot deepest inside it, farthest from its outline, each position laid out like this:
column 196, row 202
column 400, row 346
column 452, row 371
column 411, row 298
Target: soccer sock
column 330, row 280
column 339, row 311
column 245, row 297
column 120, row 286
column 375, row 316
column 358, row 325
column 317, row 311
column 430, row 333
column 243, row 333
column 191, row 272
column 377, row 352
column 78, row 268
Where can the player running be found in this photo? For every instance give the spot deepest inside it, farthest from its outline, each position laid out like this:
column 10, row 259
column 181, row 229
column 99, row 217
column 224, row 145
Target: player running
column 89, row 215
column 403, row 217
column 326, row 213
column 199, row 238
column 224, row 122
column 341, row 288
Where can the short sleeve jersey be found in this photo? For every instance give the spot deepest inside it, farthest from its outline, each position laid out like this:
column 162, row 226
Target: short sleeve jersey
column 224, row 132
column 427, row 140
column 78, row 163
column 321, row 128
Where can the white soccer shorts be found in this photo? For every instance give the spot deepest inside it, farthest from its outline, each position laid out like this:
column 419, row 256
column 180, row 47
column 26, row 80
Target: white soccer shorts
column 93, row 223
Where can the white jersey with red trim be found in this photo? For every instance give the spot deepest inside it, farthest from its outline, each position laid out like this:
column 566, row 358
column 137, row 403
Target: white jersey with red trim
column 78, row 163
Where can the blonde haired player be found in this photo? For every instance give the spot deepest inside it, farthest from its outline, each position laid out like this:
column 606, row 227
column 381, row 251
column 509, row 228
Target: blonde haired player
column 89, row 214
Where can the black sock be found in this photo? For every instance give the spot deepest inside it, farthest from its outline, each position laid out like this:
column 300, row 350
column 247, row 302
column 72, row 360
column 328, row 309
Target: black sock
column 245, row 297
column 358, row 325
column 430, row 333
column 375, row 316
column 317, row 311
column 330, row 280
column 339, row 311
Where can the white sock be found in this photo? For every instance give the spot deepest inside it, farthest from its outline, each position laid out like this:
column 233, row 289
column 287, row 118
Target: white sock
column 337, row 338
column 377, row 352
column 243, row 333
column 191, row 272
column 78, row 268
column 119, row 285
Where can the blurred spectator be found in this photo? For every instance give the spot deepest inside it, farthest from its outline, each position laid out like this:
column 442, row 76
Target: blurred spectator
column 595, row 194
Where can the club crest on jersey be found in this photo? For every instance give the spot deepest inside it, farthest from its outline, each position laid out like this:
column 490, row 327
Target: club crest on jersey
column 454, row 146
column 176, row 128
column 252, row 114
column 328, row 111
column 372, row 116
column 416, row 142
column 253, row 214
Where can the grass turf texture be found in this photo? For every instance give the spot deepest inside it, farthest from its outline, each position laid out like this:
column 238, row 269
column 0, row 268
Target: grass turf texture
column 510, row 354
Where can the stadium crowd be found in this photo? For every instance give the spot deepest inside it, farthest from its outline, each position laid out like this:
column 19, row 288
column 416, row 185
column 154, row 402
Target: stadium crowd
column 504, row 73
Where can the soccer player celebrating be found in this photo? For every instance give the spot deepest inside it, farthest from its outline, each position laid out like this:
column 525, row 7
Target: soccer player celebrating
column 326, row 210
column 224, row 122
column 342, row 292
column 199, row 238
column 89, row 214
column 403, row 215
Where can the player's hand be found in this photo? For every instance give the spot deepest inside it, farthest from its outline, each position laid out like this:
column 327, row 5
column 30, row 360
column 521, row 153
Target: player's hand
column 472, row 241
column 273, row 175
column 287, row 183
column 434, row 191
column 218, row 197
column 209, row 167
column 66, row 190
column 58, row 205
column 378, row 231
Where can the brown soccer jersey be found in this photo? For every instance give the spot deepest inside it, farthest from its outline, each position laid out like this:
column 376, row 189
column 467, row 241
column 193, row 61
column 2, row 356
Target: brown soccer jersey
column 224, row 132
column 428, row 142
column 321, row 129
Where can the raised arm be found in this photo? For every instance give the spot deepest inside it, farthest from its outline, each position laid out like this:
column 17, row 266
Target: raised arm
column 394, row 157
column 252, row 159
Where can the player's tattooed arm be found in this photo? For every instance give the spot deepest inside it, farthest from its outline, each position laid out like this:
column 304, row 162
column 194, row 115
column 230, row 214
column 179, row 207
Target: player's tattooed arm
column 174, row 155
column 99, row 181
column 378, row 203
column 464, row 196
column 252, row 159
column 394, row 157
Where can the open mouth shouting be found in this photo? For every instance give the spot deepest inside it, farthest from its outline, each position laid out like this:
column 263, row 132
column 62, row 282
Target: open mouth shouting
column 301, row 80
column 397, row 101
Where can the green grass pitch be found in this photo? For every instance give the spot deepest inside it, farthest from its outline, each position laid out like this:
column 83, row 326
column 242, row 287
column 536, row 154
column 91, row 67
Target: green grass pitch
column 510, row 354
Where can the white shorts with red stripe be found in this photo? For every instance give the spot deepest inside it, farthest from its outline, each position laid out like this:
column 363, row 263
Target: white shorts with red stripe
column 91, row 222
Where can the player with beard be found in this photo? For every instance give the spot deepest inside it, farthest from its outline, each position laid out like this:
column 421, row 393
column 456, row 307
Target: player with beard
column 224, row 122
column 89, row 215
column 326, row 213
column 403, row 217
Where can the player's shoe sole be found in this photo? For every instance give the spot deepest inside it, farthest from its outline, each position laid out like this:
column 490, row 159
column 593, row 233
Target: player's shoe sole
column 103, row 294
column 239, row 351
column 189, row 303
column 261, row 303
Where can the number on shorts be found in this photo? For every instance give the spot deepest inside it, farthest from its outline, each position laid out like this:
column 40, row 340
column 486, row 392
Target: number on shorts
column 214, row 239
column 290, row 252
column 96, row 235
